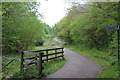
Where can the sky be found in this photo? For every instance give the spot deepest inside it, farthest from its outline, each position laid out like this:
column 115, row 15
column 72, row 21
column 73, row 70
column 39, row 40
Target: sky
column 53, row 10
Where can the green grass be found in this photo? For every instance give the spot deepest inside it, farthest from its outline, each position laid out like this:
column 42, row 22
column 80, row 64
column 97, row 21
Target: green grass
column 49, row 67
column 45, row 47
column 107, row 62
column 50, row 41
column 14, row 68
column 52, row 66
column 11, row 68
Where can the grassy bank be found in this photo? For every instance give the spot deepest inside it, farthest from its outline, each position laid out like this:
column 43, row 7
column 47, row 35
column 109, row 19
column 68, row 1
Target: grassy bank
column 13, row 69
column 107, row 62
column 49, row 67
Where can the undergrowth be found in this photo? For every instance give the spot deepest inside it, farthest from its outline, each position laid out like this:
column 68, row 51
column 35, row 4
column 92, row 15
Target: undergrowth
column 49, row 67
column 13, row 69
column 107, row 62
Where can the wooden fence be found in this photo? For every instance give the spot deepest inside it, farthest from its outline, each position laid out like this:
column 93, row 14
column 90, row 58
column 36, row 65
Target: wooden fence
column 40, row 57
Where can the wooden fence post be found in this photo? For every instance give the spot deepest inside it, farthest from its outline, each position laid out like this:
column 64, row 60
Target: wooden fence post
column 21, row 63
column 36, row 58
column 56, row 52
column 47, row 56
column 40, row 64
column 62, row 53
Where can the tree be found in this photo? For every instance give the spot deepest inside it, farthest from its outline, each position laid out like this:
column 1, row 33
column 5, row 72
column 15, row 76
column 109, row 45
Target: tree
column 84, row 24
column 21, row 28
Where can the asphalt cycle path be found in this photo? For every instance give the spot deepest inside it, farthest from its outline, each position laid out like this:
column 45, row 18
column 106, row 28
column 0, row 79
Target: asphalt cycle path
column 76, row 66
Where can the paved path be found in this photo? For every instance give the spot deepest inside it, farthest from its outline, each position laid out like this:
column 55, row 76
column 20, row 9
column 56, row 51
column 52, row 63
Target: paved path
column 76, row 66
column 58, row 40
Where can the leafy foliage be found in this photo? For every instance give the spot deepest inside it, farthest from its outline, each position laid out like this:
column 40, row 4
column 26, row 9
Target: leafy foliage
column 83, row 30
column 84, row 24
column 21, row 27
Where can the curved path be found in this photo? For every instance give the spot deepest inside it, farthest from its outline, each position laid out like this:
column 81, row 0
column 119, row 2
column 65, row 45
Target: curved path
column 76, row 66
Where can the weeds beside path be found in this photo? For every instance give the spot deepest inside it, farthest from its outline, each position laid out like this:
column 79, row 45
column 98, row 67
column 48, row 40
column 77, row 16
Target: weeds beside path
column 107, row 61
column 76, row 66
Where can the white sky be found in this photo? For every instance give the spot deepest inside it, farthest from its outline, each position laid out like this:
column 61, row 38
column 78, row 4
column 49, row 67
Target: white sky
column 53, row 10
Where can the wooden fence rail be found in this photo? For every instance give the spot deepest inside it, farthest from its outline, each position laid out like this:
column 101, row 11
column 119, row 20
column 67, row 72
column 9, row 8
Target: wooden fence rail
column 40, row 57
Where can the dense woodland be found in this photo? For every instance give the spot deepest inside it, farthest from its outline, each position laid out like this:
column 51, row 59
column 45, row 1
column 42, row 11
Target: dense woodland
column 83, row 30
column 85, row 25
column 21, row 27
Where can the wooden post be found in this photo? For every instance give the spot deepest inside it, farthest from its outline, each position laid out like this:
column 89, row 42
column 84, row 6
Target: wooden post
column 62, row 53
column 118, row 33
column 36, row 59
column 40, row 64
column 118, row 47
column 55, row 52
column 21, row 63
column 47, row 56
column 118, row 36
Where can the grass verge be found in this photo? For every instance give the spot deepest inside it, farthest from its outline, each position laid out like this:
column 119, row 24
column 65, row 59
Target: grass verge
column 31, row 73
column 107, row 61
column 13, row 69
